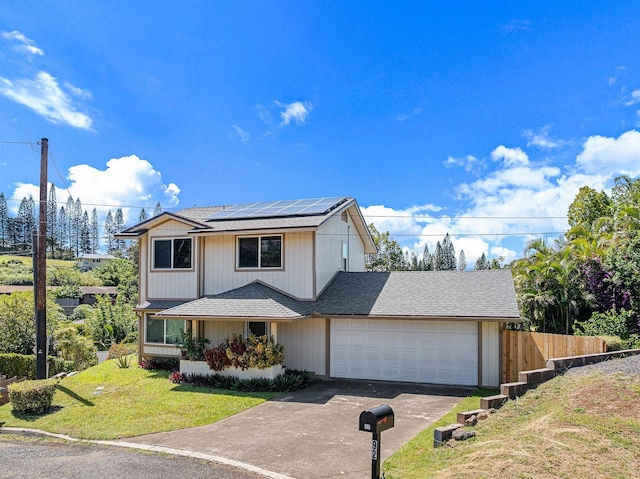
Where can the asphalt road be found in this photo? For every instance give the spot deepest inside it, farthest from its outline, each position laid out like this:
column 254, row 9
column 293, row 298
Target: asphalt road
column 30, row 458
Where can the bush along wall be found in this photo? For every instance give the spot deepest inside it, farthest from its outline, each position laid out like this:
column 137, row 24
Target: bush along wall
column 24, row 366
column 291, row 380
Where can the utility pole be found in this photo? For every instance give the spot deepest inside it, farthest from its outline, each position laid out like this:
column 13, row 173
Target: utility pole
column 40, row 271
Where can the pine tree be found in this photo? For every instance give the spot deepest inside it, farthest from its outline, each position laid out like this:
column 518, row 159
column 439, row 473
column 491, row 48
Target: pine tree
column 52, row 219
column 71, row 223
column 157, row 210
column 4, row 221
column 85, row 234
column 427, row 259
column 109, row 232
column 462, row 261
column 482, row 263
column 63, row 231
column 118, row 226
column 25, row 223
column 95, row 238
column 143, row 216
column 438, row 260
column 448, row 254
column 77, row 226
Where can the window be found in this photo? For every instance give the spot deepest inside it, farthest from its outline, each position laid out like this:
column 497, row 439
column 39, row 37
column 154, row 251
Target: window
column 172, row 253
column 164, row 331
column 260, row 252
column 345, row 256
column 257, row 328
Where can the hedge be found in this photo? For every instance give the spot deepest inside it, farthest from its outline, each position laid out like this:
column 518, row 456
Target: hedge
column 21, row 365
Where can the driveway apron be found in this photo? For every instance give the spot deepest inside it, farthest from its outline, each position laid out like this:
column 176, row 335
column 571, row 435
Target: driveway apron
column 313, row 433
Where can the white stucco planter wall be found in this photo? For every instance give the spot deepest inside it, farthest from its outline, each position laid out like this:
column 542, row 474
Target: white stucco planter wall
column 201, row 367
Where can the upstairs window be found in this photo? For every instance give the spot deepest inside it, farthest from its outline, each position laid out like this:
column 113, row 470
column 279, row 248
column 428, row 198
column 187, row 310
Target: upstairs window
column 257, row 252
column 172, row 253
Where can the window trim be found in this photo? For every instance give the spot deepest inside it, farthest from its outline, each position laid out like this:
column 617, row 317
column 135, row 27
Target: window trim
column 259, row 267
column 164, row 331
column 267, row 328
column 152, row 256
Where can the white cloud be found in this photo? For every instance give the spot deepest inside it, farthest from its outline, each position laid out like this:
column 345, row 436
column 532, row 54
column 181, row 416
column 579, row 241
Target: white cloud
column 611, row 156
column 470, row 163
column 516, row 25
column 24, row 43
column 296, row 111
column 243, row 135
column 129, row 183
column 44, row 96
column 405, row 116
column 541, row 139
column 510, row 156
column 635, row 98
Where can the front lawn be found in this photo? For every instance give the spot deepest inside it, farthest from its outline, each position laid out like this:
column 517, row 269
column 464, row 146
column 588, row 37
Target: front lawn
column 105, row 402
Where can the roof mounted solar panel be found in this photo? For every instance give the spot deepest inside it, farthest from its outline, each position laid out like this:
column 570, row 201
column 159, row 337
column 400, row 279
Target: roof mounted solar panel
column 276, row 209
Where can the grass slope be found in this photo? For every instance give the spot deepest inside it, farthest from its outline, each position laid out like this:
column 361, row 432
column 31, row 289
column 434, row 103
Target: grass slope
column 572, row 426
column 131, row 402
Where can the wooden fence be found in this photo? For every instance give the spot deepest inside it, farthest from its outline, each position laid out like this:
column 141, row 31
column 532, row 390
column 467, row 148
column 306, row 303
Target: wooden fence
column 523, row 351
column 4, row 382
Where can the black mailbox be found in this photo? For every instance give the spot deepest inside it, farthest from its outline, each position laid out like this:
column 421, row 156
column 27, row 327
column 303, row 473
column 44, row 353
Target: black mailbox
column 377, row 419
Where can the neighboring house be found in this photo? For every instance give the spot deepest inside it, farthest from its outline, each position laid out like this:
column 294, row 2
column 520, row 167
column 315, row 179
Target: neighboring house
column 296, row 270
column 87, row 294
column 85, row 262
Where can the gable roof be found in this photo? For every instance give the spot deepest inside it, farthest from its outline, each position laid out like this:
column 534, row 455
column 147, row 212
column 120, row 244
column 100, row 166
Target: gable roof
column 212, row 219
column 488, row 295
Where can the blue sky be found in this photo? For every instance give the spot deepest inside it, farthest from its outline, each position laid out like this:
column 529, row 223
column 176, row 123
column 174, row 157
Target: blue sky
column 478, row 119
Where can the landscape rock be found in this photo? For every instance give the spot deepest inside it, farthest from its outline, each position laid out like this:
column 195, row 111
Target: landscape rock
column 482, row 416
column 463, row 434
column 472, row 421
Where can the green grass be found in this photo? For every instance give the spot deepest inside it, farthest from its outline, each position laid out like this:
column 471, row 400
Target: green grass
column 132, row 402
column 416, row 455
column 571, row 426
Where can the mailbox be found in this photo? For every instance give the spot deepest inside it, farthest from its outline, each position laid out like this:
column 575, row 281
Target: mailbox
column 377, row 419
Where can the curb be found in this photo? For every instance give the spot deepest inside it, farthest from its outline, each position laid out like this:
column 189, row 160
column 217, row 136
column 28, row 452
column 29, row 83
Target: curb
column 20, row 431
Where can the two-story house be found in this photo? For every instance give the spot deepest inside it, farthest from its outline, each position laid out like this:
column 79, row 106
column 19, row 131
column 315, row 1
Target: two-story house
column 296, row 270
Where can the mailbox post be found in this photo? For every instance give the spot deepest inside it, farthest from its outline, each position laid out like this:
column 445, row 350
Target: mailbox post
column 376, row 420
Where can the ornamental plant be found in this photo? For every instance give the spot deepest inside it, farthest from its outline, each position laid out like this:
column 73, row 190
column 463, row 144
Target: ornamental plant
column 32, row 398
column 255, row 352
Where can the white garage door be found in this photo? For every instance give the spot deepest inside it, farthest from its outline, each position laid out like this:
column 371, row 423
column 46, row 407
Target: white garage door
column 439, row 352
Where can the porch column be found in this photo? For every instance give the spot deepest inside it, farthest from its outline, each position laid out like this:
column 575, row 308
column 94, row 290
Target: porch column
column 274, row 332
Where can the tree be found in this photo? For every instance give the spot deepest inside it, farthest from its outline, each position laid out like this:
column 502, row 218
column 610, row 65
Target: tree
column 118, row 226
column 71, row 224
column 94, row 234
column 63, row 230
column 25, row 223
column 157, row 210
column 111, row 323
column 17, row 321
column 74, row 347
column 123, row 274
column 588, row 206
column 109, row 232
column 85, row 234
column 143, row 216
column 438, row 258
column 462, row 261
column 427, row 259
column 4, row 221
column 389, row 257
column 481, row 263
column 52, row 219
column 448, row 254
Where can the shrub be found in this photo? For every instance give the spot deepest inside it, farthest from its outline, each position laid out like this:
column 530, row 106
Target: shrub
column 117, row 350
column 24, row 366
column 193, row 349
column 612, row 343
column 255, row 352
column 291, row 380
column 32, row 397
column 74, row 347
column 165, row 364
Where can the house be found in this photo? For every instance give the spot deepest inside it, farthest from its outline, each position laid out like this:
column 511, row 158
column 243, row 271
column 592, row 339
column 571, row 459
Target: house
column 296, row 270
column 87, row 261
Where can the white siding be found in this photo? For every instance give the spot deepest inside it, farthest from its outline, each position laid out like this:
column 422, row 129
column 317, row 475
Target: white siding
column 171, row 284
column 296, row 279
column 490, row 355
column 305, row 344
column 330, row 237
column 218, row 331
column 169, row 351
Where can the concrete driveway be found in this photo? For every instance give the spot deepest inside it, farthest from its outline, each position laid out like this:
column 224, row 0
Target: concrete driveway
column 313, row 433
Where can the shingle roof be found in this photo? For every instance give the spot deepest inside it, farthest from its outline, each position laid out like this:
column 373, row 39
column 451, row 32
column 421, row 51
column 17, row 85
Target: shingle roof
column 409, row 294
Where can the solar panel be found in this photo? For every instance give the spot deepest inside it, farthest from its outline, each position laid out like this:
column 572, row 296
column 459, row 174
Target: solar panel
column 272, row 209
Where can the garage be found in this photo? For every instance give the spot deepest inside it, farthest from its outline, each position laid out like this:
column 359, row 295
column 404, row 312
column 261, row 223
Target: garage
column 425, row 351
